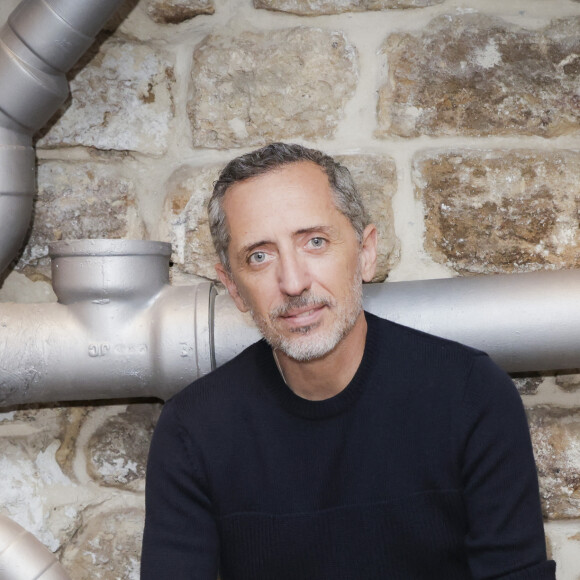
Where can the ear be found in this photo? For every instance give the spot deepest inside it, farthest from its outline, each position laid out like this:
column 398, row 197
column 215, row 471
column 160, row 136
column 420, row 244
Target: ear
column 227, row 280
column 368, row 255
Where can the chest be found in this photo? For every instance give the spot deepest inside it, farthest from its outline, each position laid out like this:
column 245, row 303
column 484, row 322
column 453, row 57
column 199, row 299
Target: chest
column 281, row 463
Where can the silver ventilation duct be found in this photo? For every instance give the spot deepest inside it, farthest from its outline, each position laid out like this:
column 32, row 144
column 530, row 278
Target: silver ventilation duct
column 525, row 322
column 39, row 43
column 118, row 330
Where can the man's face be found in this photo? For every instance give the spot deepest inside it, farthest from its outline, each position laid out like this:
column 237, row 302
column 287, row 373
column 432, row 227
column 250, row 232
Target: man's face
column 296, row 262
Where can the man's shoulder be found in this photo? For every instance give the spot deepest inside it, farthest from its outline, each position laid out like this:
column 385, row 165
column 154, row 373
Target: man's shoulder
column 394, row 333
column 410, row 354
column 415, row 360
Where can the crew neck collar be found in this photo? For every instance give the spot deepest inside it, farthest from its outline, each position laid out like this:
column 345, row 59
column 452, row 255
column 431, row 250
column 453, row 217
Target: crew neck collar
column 334, row 405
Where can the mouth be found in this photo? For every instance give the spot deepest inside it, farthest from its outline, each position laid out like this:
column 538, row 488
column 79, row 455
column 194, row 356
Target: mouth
column 307, row 316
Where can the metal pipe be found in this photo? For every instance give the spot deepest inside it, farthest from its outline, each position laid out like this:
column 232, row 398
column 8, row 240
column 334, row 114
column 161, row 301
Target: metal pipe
column 17, row 187
column 525, row 322
column 23, row 557
column 39, row 43
column 118, row 330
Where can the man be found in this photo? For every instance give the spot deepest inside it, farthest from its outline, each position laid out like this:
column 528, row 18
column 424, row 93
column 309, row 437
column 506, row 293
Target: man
column 343, row 446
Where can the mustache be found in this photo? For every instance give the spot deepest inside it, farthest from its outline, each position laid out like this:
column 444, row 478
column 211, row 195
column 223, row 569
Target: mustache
column 305, row 300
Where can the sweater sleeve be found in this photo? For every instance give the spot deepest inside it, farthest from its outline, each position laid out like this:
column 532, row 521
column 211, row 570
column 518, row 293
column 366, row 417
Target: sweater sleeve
column 180, row 539
column 505, row 538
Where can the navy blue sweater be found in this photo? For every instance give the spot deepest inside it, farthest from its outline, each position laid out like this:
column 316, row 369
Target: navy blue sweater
column 421, row 468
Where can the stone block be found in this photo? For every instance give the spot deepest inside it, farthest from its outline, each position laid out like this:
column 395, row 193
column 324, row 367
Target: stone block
column 121, row 100
column 376, row 180
column 569, row 380
column 117, row 451
column 258, row 87
column 177, row 11
column 185, row 220
column 189, row 189
column 107, row 546
column 77, row 201
column 18, row 288
column 527, row 383
column 320, row 7
column 470, row 74
column 556, row 439
column 35, row 492
column 500, row 211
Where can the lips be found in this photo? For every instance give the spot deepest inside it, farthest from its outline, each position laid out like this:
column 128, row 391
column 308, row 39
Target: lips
column 301, row 312
column 304, row 316
column 300, row 315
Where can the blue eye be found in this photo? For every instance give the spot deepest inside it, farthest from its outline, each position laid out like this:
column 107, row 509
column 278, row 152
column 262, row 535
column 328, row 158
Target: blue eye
column 258, row 257
column 317, row 242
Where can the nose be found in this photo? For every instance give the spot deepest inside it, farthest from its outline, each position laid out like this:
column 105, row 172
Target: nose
column 294, row 275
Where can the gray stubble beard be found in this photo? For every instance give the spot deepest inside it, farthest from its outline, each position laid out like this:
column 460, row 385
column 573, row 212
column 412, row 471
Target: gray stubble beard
column 304, row 348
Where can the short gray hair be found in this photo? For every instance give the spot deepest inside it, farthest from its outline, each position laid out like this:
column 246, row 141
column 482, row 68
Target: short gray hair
column 269, row 158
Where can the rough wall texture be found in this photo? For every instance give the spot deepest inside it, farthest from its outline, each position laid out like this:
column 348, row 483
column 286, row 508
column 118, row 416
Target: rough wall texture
column 122, row 100
column 76, row 201
column 470, row 74
column 257, row 87
column 176, row 11
column 500, row 211
column 459, row 119
column 556, row 437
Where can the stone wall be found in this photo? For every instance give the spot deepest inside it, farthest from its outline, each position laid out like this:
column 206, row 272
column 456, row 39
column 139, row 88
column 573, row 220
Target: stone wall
column 460, row 120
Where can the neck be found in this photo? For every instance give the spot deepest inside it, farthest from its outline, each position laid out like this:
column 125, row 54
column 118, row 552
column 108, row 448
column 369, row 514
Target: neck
column 325, row 377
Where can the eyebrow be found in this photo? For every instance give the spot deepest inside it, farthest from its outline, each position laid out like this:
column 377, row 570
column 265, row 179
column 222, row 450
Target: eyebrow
column 248, row 248
column 326, row 230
